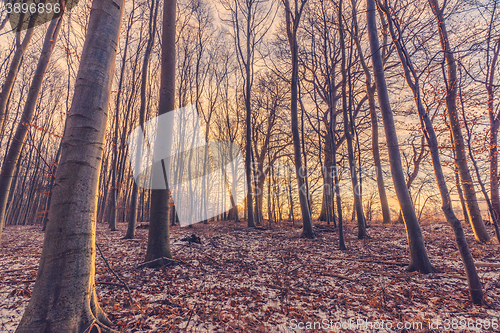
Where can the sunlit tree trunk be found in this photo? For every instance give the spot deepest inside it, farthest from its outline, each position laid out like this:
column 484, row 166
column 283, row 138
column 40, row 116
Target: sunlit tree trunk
column 473, row 211
column 64, row 297
column 418, row 254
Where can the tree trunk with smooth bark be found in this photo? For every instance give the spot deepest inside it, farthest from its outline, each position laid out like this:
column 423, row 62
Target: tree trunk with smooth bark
column 418, row 254
column 159, row 228
column 64, row 297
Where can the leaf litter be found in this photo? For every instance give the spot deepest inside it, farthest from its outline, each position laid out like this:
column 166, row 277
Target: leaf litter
column 259, row 280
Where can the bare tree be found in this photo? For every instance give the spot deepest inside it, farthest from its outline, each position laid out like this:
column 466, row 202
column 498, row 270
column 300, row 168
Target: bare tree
column 492, row 61
column 418, row 254
column 153, row 13
column 249, row 20
column 451, row 82
column 348, row 132
column 14, row 68
column 413, row 81
column 293, row 15
column 370, row 92
column 14, row 151
column 159, row 229
column 67, row 265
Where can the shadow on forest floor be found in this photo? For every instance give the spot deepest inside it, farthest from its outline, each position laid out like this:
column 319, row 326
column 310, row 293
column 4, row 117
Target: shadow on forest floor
column 241, row 280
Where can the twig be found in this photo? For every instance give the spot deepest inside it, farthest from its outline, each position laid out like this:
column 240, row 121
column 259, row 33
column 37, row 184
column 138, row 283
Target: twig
column 190, row 316
column 160, row 260
column 209, row 257
column 487, row 264
column 114, row 273
column 380, row 262
column 293, row 270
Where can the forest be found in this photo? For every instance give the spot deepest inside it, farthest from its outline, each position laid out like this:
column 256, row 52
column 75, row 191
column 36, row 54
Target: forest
column 249, row 166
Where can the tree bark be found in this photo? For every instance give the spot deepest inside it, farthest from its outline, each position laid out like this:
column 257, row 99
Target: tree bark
column 473, row 211
column 159, row 228
column 418, row 254
column 64, row 297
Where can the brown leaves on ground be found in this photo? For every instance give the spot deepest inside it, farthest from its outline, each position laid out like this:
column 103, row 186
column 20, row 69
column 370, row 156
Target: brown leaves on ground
column 258, row 280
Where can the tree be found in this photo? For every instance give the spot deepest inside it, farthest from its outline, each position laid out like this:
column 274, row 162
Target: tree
column 473, row 211
column 159, row 229
column 14, row 151
column 492, row 61
column 14, row 67
column 348, row 119
column 248, row 19
column 64, row 297
column 292, row 27
column 153, row 13
column 370, row 92
column 418, row 255
column 413, row 81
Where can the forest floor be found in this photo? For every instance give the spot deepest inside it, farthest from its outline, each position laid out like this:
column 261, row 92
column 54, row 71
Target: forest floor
column 269, row 280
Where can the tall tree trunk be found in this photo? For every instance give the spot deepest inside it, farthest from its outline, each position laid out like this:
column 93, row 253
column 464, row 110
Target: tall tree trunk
column 493, row 213
column 142, row 112
column 292, row 24
column 370, row 92
column 473, row 211
column 412, row 80
column 494, row 117
column 51, row 186
column 248, row 150
column 418, row 255
column 114, row 183
column 14, row 151
column 64, row 297
column 159, row 228
column 337, row 185
column 358, row 205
